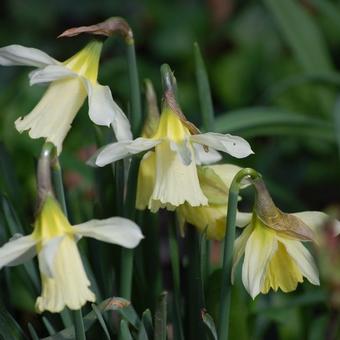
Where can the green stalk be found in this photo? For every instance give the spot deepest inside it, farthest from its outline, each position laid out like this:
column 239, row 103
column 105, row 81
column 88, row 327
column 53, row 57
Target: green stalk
column 136, row 107
column 57, row 179
column 79, row 324
column 207, row 110
column 60, row 195
column 224, row 312
column 195, row 294
column 129, row 211
column 175, row 266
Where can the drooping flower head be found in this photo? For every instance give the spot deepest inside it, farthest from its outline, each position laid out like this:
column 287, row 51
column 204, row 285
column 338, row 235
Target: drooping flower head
column 172, row 163
column 71, row 82
column 274, row 255
column 54, row 240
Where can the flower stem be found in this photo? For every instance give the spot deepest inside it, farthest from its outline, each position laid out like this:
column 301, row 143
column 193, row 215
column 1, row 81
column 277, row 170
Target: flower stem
column 224, row 312
column 136, row 108
column 58, row 184
column 129, row 212
column 175, row 266
column 195, row 287
column 79, row 325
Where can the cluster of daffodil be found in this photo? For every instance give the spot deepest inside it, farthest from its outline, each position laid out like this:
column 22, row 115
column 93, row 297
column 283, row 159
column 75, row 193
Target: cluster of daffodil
column 176, row 172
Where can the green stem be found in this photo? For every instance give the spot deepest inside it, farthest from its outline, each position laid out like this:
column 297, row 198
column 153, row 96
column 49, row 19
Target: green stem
column 57, row 178
column 207, row 110
column 79, row 325
column 136, row 108
column 195, row 294
column 129, row 212
column 224, row 312
column 126, row 273
column 175, row 266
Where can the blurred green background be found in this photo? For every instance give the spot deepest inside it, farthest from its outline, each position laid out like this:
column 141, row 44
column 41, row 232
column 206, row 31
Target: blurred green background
column 257, row 55
column 273, row 74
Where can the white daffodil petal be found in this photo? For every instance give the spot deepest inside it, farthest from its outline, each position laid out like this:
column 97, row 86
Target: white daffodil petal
column 313, row 219
column 50, row 73
column 21, row 55
column 182, row 150
column 209, row 156
column 302, row 258
column 242, row 219
column 234, row 145
column 116, row 151
column 117, row 230
column 239, row 248
column 47, row 255
column 18, row 250
column 53, row 115
column 103, row 110
column 259, row 250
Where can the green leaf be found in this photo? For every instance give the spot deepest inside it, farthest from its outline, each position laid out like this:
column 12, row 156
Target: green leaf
column 11, row 217
column 48, row 326
column 336, row 114
column 124, row 331
column 147, row 322
column 32, row 331
column 209, row 322
column 122, row 306
column 329, row 78
column 207, row 111
column 101, row 320
column 315, row 296
column 161, row 318
column 306, row 42
column 270, row 121
column 302, row 35
column 14, row 226
column 142, row 335
column 330, row 10
column 9, row 329
column 8, row 180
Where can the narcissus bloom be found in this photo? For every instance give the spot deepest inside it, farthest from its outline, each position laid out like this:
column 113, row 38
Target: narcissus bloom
column 71, row 82
column 173, row 163
column 215, row 181
column 274, row 255
column 64, row 281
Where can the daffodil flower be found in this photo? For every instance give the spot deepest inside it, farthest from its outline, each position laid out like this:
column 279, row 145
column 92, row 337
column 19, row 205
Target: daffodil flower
column 71, row 82
column 215, row 181
column 54, row 240
column 173, row 162
column 274, row 255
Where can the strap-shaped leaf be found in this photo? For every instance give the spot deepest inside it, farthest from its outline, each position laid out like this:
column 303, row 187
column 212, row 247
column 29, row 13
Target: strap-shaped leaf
column 122, row 306
column 9, row 329
column 209, row 322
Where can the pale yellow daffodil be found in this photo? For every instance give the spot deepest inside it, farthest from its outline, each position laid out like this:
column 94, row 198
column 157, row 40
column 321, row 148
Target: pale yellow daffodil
column 168, row 175
column 272, row 244
column 71, row 82
column 54, row 240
